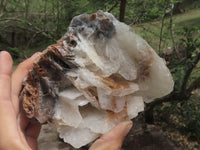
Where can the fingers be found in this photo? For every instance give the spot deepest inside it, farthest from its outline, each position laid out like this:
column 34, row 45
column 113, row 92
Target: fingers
column 33, row 130
column 7, row 115
column 5, row 76
column 114, row 138
column 32, row 133
column 9, row 131
column 17, row 78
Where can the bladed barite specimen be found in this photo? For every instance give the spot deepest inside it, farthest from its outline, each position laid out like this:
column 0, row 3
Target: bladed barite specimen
column 97, row 75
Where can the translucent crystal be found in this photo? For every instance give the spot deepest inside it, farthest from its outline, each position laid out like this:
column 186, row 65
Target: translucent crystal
column 98, row 74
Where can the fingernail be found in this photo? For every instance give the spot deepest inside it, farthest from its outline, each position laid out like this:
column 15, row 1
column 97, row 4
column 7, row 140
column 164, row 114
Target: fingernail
column 5, row 60
column 1, row 54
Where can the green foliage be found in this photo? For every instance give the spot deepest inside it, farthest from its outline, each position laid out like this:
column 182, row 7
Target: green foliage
column 185, row 55
column 183, row 116
column 42, row 20
column 143, row 10
column 183, row 113
column 28, row 26
column 190, row 116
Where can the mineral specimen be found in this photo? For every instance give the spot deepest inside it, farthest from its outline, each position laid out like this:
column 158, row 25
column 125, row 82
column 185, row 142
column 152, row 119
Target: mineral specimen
column 97, row 75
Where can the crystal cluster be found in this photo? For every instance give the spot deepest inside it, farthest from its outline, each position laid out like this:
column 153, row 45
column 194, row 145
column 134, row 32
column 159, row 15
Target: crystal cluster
column 97, row 75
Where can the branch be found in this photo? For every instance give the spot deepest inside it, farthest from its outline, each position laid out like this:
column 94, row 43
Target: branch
column 15, row 19
column 193, row 86
column 30, row 24
column 161, row 31
column 32, row 38
column 149, row 111
column 188, row 73
column 117, row 2
column 19, row 27
column 171, row 27
column 169, row 98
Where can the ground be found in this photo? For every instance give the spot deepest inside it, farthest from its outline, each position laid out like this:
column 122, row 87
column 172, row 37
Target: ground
column 141, row 137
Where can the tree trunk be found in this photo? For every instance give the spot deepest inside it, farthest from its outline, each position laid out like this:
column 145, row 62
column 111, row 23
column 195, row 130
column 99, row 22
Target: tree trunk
column 171, row 26
column 45, row 15
column 27, row 3
column 122, row 10
column 2, row 8
column 58, row 18
column 161, row 33
column 148, row 114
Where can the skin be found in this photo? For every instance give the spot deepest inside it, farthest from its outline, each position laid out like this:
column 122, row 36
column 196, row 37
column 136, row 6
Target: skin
column 16, row 130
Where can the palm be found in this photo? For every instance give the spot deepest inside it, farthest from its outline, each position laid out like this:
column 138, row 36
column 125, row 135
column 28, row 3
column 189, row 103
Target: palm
column 23, row 133
column 16, row 130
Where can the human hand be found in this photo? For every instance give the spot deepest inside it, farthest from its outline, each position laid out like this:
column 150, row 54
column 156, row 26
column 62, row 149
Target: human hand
column 16, row 132
column 114, row 138
column 19, row 133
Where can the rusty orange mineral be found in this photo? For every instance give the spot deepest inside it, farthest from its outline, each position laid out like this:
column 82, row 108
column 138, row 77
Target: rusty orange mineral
column 97, row 75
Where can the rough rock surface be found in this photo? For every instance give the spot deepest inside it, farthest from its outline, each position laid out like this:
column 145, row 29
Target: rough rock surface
column 139, row 138
column 98, row 74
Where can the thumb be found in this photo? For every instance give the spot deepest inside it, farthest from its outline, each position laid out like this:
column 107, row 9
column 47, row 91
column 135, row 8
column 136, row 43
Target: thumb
column 114, row 138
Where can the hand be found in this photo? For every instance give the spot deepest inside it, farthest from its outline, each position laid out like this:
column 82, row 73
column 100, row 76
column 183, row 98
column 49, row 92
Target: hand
column 14, row 135
column 114, row 138
column 18, row 132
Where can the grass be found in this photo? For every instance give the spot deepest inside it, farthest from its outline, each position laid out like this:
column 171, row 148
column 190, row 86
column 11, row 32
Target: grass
column 189, row 18
column 151, row 31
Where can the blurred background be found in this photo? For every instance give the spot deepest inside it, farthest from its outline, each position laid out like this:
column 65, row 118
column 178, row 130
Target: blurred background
column 171, row 27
